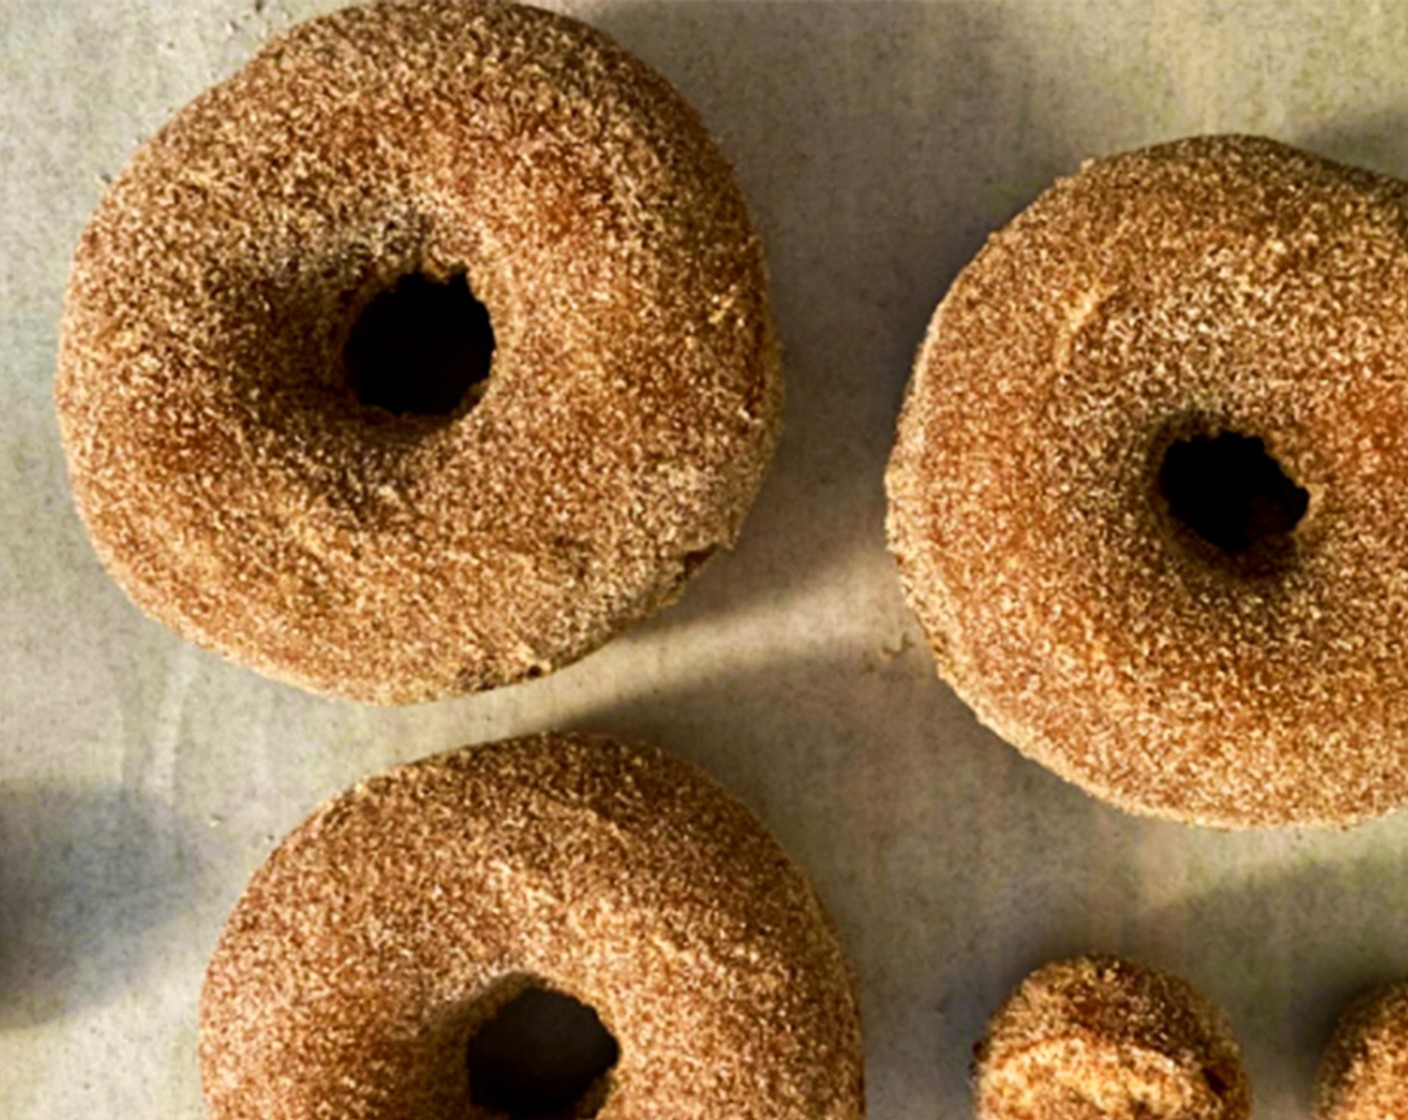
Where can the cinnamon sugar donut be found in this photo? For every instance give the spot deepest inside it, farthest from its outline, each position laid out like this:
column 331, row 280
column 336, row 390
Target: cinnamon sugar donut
column 421, row 356
column 1364, row 1074
column 377, row 953
column 1098, row 1038
column 1150, row 494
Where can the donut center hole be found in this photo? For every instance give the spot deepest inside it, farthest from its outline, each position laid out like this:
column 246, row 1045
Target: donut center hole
column 543, row 1055
column 420, row 347
column 1229, row 491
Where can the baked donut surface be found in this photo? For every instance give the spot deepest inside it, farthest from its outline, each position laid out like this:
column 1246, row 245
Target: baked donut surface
column 1149, row 498
column 1099, row 1038
column 271, row 482
column 389, row 928
column 1364, row 1073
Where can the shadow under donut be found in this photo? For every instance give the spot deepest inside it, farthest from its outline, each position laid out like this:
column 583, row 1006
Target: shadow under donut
column 1285, row 951
column 841, row 120
column 88, row 879
column 1377, row 141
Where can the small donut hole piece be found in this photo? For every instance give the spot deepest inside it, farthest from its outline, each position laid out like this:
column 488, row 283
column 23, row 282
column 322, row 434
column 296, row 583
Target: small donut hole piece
column 543, row 1055
column 1229, row 491
column 420, row 347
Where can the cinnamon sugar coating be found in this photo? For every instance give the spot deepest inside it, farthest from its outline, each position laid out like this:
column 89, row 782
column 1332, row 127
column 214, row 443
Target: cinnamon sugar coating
column 1364, row 1074
column 1222, row 285
column 1098, row 1038
column 236, row 488
column 404, row 913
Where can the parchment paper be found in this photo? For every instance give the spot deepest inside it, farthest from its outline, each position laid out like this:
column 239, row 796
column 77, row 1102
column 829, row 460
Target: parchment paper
column 142, row 781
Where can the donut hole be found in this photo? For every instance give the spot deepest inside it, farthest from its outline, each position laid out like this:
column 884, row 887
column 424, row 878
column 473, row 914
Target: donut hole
column 543, row 1055
column 420, row 347
column 1229, row 492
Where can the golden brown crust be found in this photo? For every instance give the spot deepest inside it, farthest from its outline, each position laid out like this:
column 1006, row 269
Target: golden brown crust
column 240, row 494
column 1098, row 1038
column 1364, row 1073
column 1218, row 283
column 385, row 928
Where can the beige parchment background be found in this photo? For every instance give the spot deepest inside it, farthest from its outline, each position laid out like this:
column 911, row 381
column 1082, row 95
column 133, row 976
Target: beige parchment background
column 142, row 781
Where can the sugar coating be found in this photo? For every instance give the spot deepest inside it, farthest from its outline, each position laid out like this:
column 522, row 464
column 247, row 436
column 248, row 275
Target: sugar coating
column 1221, row 283
column 1364, row 1073
column 238, row 491
column 1098, row 1038
column 404, row 913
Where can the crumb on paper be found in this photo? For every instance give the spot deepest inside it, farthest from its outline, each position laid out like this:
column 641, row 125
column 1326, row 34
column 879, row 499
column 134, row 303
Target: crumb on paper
column 888, row 651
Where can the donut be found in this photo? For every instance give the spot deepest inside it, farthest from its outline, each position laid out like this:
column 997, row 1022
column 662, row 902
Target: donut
column 421, row 356
column 1099, row 1038
column 1149, row 494
column 383, row 960
column 1364, row 1073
